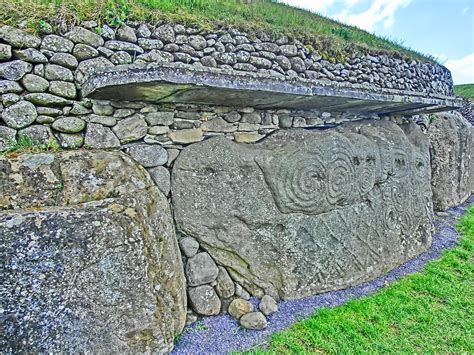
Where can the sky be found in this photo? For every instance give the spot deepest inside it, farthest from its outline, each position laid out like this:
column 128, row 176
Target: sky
column 442, row 28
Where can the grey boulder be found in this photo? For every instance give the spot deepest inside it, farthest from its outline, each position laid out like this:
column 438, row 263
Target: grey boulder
column 20, row 114
column 201, row 269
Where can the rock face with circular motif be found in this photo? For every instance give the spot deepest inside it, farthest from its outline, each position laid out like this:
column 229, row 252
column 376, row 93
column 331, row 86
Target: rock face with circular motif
column 303, row 212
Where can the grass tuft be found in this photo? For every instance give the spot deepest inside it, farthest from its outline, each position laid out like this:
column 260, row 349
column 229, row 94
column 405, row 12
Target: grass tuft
column 24, row 144
column 427, row 312
column 332, row 38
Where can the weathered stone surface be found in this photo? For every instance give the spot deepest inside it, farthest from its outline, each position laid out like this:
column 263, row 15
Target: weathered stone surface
column 69, row 124
column 14, row 70
column 44, row 99
column 31, row 55
column 83, row 51
column 165, row 33
column 126, row 33
column 268, row 305
column 225, row 287
column 254, row 320
column 239, row 307
column 131, row 129
column 34, row 83
column 57, row 44
column 8, row 86
column 247, row 137
column 304, row 212
column 37, row 134
column 160, row 118
column 204, row 300
column 187, row 136
column 65, row 59
column 90, row 66
column 70, row 140
column 124, row 46
column 161, row 176
column 63, row 89
column 450, row 147
column 81, row 35
column 57, row 72
column 102, row 274
column 148, row 155
column 189, row 246
column 20, row 114
column 7, row 138
column 201, row 269
column 10, row 99
column 18, row 38
column 100, row 137
column 218, row 125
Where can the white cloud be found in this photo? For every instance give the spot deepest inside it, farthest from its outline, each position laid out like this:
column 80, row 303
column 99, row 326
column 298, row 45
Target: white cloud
column 465, row 10
column 380, row 11
column 462, row 69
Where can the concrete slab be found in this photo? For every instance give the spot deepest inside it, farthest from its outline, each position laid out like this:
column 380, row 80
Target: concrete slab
column 181, row 83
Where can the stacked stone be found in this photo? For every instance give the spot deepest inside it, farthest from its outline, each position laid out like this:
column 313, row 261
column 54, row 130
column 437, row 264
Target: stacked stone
column 211, row 290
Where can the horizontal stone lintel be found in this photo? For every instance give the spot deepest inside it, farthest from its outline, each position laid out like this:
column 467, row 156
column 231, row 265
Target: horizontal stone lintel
column 181, row 83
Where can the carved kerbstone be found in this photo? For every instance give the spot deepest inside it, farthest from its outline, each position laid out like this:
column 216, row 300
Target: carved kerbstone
column 308, row 211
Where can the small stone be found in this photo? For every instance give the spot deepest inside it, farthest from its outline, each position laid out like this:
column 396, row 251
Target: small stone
column 189, row 246
column 103, row 120
column 285, row 120
column 252, row 117
column 267, row 47
column 30, row 55
column 10, row 86
column 187, row 136
column 123, row 46
column 233, row 117
column 57, row 72
column 239, row 307
column 57, row 44
column 299, row 122
column 126, row 33
column 18, row 38
column 63, row 88
column 10, row 99
column 120, row 58
column 91, row 66
column 7, row 138
column 64, row 59
column 160, row 118
column 260, row 62
column 131, row 129
column 165, row 33
column 100, row 137
column 143, row 31
column 148, row 155
column 289, row 50
column 218, row 125
column 69, row 125
column 148, row 44
column 191, row 318
column 157, row 130
column 297, row 64
column 123, row 112
column 20, row 114
column 268, row 305
column 44, row 99
column 161, row 176
column 81, row 35
column 102, row 109
column 283, row 62
column 14, row 70
column 172, row 155
column 156, row 56
column 107, row 32
column 254, row 320
column 239, row 291
column 35, row 83
column 197, row 42
column 225, row 287
column 42, row 119
column 208, row 61
column 37, row 134
column 201, row 269
column 83, row 52
column 49, row 111
column 70, row 141
column 204, row 300
column 225, row 58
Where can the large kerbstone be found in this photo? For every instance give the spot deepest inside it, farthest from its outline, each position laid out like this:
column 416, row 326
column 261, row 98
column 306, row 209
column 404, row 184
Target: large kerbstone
column 91, row 262
column 304, row 212
column 450, row 147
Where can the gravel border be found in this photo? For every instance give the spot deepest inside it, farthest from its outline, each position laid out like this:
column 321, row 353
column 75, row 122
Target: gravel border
column 222, row 334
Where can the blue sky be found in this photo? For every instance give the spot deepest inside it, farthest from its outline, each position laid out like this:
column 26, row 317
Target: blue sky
column 442, row 28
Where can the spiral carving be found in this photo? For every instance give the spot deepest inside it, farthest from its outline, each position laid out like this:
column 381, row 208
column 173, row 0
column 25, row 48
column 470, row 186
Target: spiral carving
column 340, row 174
column 366, row 176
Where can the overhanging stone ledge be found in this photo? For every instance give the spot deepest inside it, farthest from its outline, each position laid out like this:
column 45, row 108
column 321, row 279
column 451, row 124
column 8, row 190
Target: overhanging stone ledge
column 181, row 83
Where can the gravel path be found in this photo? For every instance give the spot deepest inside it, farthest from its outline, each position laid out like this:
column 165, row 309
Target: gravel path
column 222, row 334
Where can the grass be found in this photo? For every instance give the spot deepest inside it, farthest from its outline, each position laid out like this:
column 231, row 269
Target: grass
column 466, row 90
column 331, row 38
column 25, row 145
column 428, row 312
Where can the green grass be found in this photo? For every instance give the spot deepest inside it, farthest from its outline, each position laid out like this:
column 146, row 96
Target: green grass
column 331, row 38
column 466, row 90
column 26, row 145
column 428, row 312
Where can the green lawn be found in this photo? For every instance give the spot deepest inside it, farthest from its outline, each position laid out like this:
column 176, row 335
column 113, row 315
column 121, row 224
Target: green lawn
column 466, row 90
column 319, row 32
column 428, row 312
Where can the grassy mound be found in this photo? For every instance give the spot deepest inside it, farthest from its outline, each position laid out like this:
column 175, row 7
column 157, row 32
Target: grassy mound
column 466, row 90
column 428, row 312
column 322, row 33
